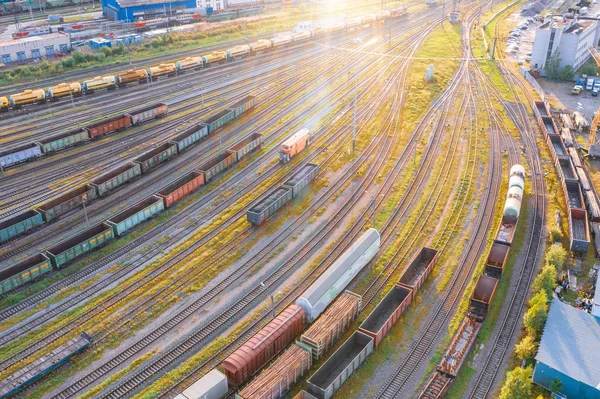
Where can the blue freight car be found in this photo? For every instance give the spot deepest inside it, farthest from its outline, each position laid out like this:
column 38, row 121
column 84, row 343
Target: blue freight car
column 18, row 155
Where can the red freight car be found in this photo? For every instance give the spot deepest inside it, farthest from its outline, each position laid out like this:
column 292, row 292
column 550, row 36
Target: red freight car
column 418, row 270
column 387, row 313
column 482, row 297
column 181, row 188
column 263, row 346
column 109, row 125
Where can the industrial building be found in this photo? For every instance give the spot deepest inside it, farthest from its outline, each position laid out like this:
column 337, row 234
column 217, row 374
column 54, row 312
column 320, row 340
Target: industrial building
column 133, row 10
column 569, row 351
column 571, row 37
column 34, row 47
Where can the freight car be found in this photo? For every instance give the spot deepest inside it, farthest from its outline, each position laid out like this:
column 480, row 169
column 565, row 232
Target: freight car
column 218, row 120
column 20, row 224
column 386, row 313
column 189, row 63
column 264, row 345
column 64, row 140
column 147, row 113
column 249, row 144
column 212, row 386
column 181, row 188
column 108, row 126
column 335, row 279
column 99, row 83
column 418, row 270
column 135, row 215
column 115, row 178
column 24, row 272
column 165, row 70
column 482, row 296
column 237, row 52
column 63, row 90
column 65, row 203
column 132, row 76
column 35, row 96
column 76, row 246
column 43, row 365
column 216, row 57
column 293, row 145
column 190, row 136
column 217, row 165
column 19, row 155
column 496, row 260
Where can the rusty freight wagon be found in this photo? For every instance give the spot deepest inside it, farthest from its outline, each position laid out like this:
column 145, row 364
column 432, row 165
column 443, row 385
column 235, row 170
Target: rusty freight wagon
column 181, row 188
column 506, row 230
column 338, row 368
column 67, row 202
column 573, row 194
column 80, row 244
column 418, row 270
column 63, row 140
column 217, row 164
column 24, row 272
column 566, row 171
column 144, row 114
column 109, row 125
column 496, row 260
column 218, row 120
column 135, row 215
column 20, row 224
column 115, row 178
column 247, row 145
column 242, row 106
column 386, row 314
column 264, row 345
column 268, row 206
column 482, row 296
column 579, row 232
column 459, row 347
column 190, row 136
column 156, row 157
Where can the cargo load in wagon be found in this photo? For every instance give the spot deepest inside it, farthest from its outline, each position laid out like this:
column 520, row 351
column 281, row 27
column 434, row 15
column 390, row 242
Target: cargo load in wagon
column 302, row 178
column 386, row 313
column 242, row 106
column 115, row 178
column 135, row 215
column 573, row 194
column 156, row 157
column 459, row 347
column 338, row 368
column 268, row 206
column 419, row 269
column 144, row 114
column 247, row 145
column 67, row 202
column 579, row 232
column 63, row 140
column 264, row 345
column 212, row 386
column 24, row 272
column 181, row 188
column 482, row 297
column 547, row 125
column 80, row 244
column 109, row 125
column 567, row 170
column 496, row 260
column 330, row 326
column 218, row 120
column 217, row 164
column 506, row 230
column 190, row 136
column 337, row 277
column 20, row 224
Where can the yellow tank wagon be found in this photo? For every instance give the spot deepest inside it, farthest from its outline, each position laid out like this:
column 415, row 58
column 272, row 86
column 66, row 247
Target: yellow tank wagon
column 214, row 57
column 189, row 63
column 162, row 70
column 132, row 76
column 63, row 90
column 3, row 104
column 27, row 97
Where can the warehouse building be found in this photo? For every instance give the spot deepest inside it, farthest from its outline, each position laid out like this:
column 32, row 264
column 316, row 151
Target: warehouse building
column 133, row 10
column 570, row 37
column 569, row 352
column 34, row 47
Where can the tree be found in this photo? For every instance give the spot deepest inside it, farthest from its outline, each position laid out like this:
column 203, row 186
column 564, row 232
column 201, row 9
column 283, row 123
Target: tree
column 554, row 233
column 526, row 348
column 517, row 384
column 566, row 73
column 556, row 256
column 536, row 315
column 552, row 66
column 589, row 68
column 545, row 281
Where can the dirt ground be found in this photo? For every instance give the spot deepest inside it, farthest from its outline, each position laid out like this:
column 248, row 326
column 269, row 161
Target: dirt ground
column 559, row 95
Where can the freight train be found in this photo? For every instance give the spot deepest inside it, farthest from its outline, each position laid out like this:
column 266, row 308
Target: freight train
column 483, row 293
column 116, row 226
column 161, row 71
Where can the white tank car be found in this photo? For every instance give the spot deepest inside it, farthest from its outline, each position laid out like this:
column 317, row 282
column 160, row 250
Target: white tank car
column 337, row 277
column 517, row 177
column 512, row 206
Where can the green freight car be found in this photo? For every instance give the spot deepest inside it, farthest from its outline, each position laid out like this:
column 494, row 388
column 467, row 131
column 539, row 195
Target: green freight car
column 218, row 120
column 135, row 215
column 242, row 106
column 63, row 140
column 67, row 202
column 80, row 244
column 24, row 272
column 20, row 224
column 115, row 178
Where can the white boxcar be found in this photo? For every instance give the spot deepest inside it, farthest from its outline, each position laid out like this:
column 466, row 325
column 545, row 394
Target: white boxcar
column 335, row 279
column 19, row 154
column 212, row 386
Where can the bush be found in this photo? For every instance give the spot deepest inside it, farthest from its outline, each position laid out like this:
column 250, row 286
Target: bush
column 526, row 348
column 545, row 281
column 517, row 384
column 554, row 234
column 536, row 315
column 556, row 256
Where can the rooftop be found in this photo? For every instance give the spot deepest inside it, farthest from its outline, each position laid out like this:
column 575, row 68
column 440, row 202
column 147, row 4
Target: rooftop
column 570, row 26
column 133, row 3
column 571, row 343
column 33, row 39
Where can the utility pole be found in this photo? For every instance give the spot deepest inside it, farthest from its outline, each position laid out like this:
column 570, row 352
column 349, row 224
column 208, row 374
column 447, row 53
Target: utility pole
column 87, row 222
column 355, row 95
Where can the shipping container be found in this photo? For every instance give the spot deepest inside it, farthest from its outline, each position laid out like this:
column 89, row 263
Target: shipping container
column 181, row 188
column 24, row 272
column 418, row 270
column 386, row 314
column 579, row 232
column 281, row 375
column 482, row 297
column 268, row 205
column 340, row 366
column 20, row 154
column 63, row 140
column 459, row 347
column 67, row 202
column 190, row 136
column 115, row 178
column 583, row 179
column 108, row 125
column 80, row 244
column 144, row 114
column 132, row 76
column 506, row 230
column 44, row 364
column 242, row 106
column 335, row 279
column 135, row 215
column 302, row 178
column 212, row 386
column 218, row 120
column 567, row 171
column 20, row 224
column 156, row 157
column 264, row 345
column 216, row 165
column 496, row 260
column 247, row 145
column 330, row 326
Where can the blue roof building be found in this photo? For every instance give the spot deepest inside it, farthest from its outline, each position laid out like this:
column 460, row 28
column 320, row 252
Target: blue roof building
column 570, row 352
column 133, row 10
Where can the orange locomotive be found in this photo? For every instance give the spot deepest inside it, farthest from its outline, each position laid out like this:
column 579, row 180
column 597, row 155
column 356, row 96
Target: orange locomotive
column 293, row 145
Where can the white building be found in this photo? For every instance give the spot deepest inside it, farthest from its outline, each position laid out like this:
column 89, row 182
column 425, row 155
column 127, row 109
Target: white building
column 571, row 37
column 34, row 47
column 215, row 4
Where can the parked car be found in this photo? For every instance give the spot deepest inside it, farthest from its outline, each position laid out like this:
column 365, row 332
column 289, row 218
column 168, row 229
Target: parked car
column 577, row 90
